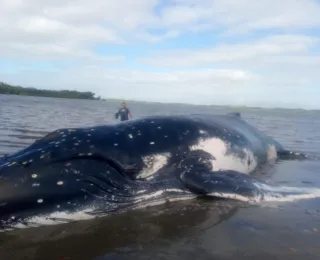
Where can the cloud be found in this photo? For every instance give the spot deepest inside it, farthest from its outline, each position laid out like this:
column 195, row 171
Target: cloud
column 247, row 52
column 38, row 28
column 243, row 16
column 266, row 48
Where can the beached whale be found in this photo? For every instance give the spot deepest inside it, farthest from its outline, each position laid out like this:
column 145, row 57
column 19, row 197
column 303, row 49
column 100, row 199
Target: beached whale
column 80, row 173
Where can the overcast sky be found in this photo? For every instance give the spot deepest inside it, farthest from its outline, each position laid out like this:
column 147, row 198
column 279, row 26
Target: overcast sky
column 237, row 52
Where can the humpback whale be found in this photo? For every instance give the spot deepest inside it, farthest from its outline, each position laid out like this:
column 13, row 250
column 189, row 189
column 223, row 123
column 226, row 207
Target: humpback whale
column 82, row 173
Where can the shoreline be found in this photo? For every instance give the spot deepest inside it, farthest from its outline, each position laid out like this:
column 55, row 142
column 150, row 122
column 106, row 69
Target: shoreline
column 119, row 100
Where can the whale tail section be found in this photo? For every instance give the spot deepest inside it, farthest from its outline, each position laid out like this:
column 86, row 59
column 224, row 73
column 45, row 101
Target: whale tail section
column 282, row 153
column 291, row 155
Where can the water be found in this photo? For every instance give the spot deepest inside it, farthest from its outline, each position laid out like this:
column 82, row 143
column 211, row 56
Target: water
column 201, row 229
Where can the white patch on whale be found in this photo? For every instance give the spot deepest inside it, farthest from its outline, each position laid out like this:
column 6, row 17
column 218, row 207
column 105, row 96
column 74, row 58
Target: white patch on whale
column 161, row 201
column 218, row 148
column 140, row 191
column 153, row 163
column 271, row 153
column 232, row 196
column 161, row 196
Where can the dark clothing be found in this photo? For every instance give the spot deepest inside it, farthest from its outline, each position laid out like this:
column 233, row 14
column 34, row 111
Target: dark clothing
column 124, row 114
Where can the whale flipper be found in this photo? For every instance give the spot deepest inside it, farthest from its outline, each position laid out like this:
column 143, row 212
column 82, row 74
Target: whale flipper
column 223, row 184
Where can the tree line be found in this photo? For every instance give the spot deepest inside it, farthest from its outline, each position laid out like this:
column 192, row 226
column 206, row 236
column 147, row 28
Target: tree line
column 18, row 90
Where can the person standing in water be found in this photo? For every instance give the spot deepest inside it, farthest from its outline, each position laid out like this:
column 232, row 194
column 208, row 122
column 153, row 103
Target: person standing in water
column 124, row 113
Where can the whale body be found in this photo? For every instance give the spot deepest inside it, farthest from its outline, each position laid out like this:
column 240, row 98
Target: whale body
column 81, row 173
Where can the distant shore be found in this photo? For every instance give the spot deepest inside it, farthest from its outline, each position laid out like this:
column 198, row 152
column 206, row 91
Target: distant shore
column 8, row 89
column 23, row 91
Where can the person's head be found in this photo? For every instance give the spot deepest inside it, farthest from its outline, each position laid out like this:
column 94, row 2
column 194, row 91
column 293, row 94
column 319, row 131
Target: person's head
column 123, row 105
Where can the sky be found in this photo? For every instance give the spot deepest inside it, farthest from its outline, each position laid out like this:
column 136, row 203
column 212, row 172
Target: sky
column 262, row 53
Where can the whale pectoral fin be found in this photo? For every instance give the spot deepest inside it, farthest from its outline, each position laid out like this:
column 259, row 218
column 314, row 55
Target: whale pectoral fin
column 223, row 184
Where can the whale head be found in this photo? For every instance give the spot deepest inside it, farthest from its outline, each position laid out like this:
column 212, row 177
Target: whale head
column 37, row 187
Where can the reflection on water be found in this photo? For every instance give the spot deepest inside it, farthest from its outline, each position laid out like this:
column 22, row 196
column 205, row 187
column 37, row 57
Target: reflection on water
column 139, row 229
column 195, row 229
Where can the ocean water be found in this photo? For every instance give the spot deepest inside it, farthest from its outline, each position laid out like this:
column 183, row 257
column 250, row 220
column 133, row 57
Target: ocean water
column 197, row 229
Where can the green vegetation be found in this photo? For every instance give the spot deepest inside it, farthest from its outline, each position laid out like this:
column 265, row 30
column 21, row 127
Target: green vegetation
column 17, row 90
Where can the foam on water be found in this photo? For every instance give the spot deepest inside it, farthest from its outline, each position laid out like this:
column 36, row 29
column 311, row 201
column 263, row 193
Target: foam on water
column 272, row 196
column 287, row 193
column 54, row 218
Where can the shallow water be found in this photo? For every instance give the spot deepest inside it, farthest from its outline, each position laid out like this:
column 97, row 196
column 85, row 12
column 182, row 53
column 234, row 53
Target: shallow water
column 197, row 229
